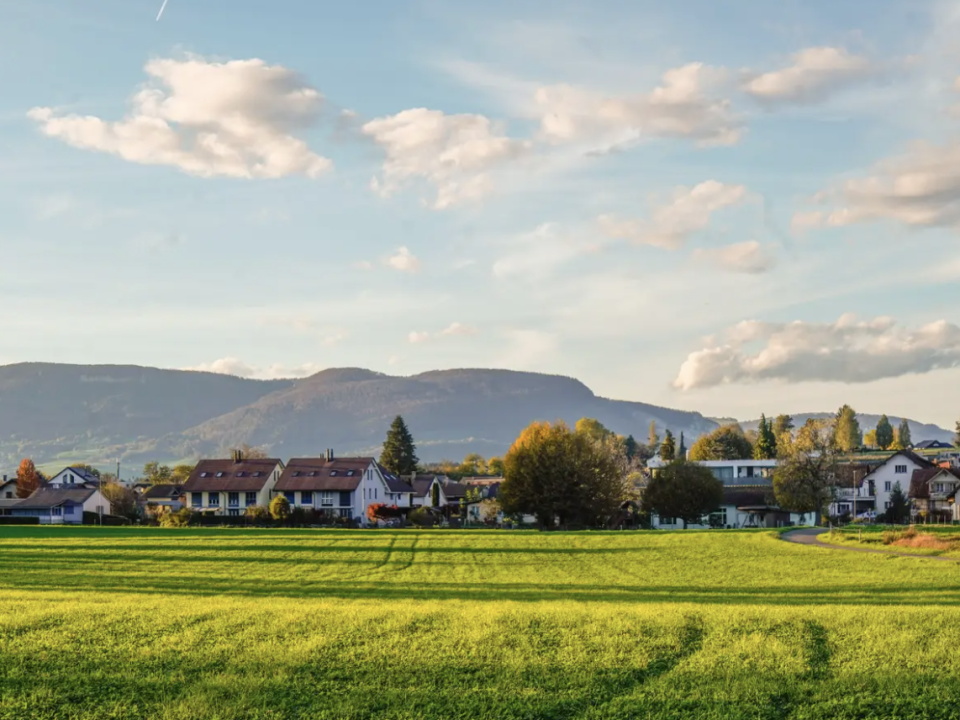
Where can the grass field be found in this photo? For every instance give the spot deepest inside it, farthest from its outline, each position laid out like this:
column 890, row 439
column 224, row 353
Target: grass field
column 935, row 540
column 206, row 623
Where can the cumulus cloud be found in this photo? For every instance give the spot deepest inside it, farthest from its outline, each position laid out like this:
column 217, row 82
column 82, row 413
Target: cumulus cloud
column 234, row 366
column 404, row 261
column 681, row 107
column 230, row 119
column 814, row 73
column 919, row 188
column 672, row 223
column 847, row 350
column 455, row 153
column 747, row 257
column 454, row 329
column 539, row 252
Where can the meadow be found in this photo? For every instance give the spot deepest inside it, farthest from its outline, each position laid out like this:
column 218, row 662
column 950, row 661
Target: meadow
column 216, row 624
column 933, row 540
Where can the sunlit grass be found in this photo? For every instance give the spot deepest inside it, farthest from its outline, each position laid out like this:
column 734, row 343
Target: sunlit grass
column 132, row 623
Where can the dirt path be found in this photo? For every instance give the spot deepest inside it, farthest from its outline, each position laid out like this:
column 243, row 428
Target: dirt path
column 808, row 536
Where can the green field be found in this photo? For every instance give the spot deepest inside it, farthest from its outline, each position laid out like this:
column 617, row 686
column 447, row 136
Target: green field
column 205, row 623
column 946, row 537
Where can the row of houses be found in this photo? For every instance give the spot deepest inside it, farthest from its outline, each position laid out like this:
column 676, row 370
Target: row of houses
column 62, row 499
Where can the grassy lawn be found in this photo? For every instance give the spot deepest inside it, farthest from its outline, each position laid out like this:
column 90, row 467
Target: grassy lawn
column 929, row 540
column 206, row 623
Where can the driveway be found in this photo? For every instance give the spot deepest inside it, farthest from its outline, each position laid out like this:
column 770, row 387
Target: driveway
column 808, row 536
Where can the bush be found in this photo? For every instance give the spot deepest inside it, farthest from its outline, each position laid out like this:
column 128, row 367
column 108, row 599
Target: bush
column 891, row 536
column 422, row 517
column 280, row 508
column 382, row 511
column 18, row 520
column 181, row 518
column 257, row 514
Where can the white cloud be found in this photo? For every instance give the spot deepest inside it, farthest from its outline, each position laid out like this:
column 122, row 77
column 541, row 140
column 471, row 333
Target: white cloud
column 454, row 329
column 845, row 351
column 919, row 188
column 456, row 153
column 404, row 261
column 747, row 257
column 679, row 108
column 231, row 119
column 234, row 366
column 538, row 253
column 813, row 74
column 672, row 223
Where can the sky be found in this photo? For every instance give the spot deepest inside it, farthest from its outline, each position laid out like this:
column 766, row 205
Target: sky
column 734, row 208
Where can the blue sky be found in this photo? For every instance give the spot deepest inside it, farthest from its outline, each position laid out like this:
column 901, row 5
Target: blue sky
column 738, row 209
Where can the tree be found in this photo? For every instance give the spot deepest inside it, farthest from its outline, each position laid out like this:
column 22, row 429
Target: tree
column 495, row 466
column 668, row 449
column 157, row 474
column 181, row 473
column 28, row 479
column 804, row 477
column 682, row 448
column 123, row 500
column 956, row 436
column 489, row 511
column 653, row 440
column 899, row 511
column 766, row 447
column 559, row 475
column 399, row 452
column 280, row 508
column 783, row 424
column 593, row 429
column 434, row 495
column 725, row 443
column 884, row 433
column 683, row 490
column 846, row 430
column 630, row 447
column 897, row 444
column 903, row 433
column 870, row 439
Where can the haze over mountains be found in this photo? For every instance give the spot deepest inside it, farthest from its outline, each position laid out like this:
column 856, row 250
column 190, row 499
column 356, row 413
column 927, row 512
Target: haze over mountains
column 82, row 413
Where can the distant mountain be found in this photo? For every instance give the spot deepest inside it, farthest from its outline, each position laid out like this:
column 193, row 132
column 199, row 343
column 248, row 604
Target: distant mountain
column 918, row 431
column 69, row 413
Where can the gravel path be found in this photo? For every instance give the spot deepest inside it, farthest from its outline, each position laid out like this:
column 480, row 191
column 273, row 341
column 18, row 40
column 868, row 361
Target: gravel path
column 808, row 536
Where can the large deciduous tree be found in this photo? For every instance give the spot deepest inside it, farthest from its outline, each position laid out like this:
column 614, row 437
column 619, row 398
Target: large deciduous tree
column 805, row 476
column 562, row 476
column 682, row 490
column 766, row 446
column 668, row 448
column 884, row 433
column 123, row 500
column 725, row 443
column 846, row 430
column 28, row 479
column 399, row 454
column 783, row 424
column 653, row 440
column 903, row 433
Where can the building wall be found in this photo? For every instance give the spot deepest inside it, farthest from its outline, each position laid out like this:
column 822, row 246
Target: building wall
column 262, row 496
column 886, row 477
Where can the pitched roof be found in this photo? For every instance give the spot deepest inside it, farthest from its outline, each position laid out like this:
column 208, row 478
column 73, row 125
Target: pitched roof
column 248, row 475
column 395, row 484
column 921, row 461
column 421, row 484
column 927, row 444
column 454, row 490
column 319, row 474
column 47, row 497
column 163, row 492
column 920, row 481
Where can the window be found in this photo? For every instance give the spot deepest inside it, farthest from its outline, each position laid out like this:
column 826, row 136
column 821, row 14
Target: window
column 233, row 513
column 239, row 474
column 213, row 499
column 233, row 499
column 219, row 474
column 255, row 474
column 296, row 473
column 251, row 499
column 900, row 469
column 55, row 511
column 666, row 521
column 68, row 510
column 350, row 472
column 326, row 499
column 887, row 504
column 196, row 499
column 345, row 499
column 306, row 497
column 313, row 473
column 886, row 486
column 938, row 487
column 374, row 493
column 291, row 497
column 204, row 474
column 9, row 495
column 346, row 513
column 332, row 473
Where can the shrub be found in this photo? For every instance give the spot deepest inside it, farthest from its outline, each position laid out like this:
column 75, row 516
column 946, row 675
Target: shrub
column 181, row 518
column 422, row 517
column 18, row 520
column 890, row 537
column 382, row 511
column 279, row 508
column 257, row 514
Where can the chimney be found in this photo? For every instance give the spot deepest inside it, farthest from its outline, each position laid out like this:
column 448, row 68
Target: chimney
column 329, row 454
column 238, row 456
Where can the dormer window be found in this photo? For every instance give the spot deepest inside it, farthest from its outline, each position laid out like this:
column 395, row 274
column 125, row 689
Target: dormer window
column 239, row 474
column 219, row 474
column 313, row 473
column 349, row 472
column 296, row 473
column 255, row 474
column 332, row 473
column 204, row 474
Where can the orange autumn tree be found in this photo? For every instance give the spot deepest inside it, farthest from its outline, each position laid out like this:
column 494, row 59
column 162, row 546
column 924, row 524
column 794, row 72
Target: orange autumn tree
column 28, row 479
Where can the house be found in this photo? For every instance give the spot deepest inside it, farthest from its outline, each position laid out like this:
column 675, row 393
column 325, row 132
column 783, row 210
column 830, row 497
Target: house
column 933, row 490
column 423, row 490
column 872, row 492
column 229, row 487
column 932, row 445
column 155, row 497
column 61, row 505
column 8, row 494
column 454, row 493
column 74, row 477
column 399, row 492
column 337, row 487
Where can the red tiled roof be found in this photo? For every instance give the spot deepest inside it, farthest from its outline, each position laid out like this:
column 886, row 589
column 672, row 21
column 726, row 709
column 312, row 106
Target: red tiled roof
column 248, row 475
column 321, row 474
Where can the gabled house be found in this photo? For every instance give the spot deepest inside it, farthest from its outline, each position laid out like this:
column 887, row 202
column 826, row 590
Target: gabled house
column 59, row 505
column 229, row 487
column 876, row 487
column 337, row 487
column 155, row 497
column 932, row 445
column 399, row 492
column 74, row 477
column 934, row 490
column 423, row 492
column 8, row 494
